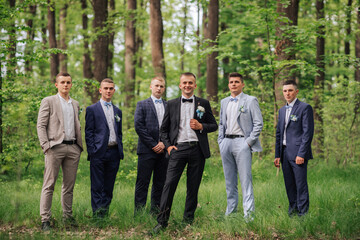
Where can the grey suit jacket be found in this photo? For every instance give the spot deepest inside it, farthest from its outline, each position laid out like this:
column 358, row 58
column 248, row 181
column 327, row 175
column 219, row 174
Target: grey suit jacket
column 249, row 119
column 50, row 123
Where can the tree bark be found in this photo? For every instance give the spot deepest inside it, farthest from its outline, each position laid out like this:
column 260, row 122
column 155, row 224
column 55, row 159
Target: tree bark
column 30, row 38
column 357, row 67
column 182, row 51
column 101, row 42
column 348, row 27
column 54, row 58
column 283, row 44
column 225, row 63
column 111, row 39
column 212, row 63
column 156, row 38
column 130, row 51
column 319, row 81
column 62, row 28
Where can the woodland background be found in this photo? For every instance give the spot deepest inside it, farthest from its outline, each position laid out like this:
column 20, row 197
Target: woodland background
column 315, row 42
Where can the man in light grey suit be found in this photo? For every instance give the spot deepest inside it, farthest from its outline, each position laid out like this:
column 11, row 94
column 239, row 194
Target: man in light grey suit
column 58, row 129
column 239, row 129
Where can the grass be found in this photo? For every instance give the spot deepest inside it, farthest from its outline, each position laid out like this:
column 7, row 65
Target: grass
column 334, row 207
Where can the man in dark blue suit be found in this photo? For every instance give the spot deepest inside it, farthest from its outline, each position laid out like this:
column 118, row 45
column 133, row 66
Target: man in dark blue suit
column 103, row 135
column 151, row 155
column 294, row 133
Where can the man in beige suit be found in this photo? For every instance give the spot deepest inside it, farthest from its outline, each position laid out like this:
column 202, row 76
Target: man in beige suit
column 58, row 129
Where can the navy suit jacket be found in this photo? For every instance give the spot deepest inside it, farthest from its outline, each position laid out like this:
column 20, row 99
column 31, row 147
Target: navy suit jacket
column 97, row 131
column 170, row 125
column 299, row 131
column 147, row 126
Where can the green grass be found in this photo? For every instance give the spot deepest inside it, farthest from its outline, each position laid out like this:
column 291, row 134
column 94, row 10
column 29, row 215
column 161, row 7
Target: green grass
column 334, row 207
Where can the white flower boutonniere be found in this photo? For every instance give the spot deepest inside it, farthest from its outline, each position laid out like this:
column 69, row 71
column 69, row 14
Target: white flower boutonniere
column 200, row 111
column 117, row 118
column 242, row 109
column 293, row 118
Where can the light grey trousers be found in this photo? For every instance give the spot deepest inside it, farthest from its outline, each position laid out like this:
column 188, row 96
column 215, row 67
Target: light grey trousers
column 67, row 157
column 236, row 159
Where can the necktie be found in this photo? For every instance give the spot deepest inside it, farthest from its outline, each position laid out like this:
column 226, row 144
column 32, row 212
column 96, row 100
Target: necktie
column 107, row 104
column 158, row 101
column 187, row 100
column 288, row 107
column 233, row 99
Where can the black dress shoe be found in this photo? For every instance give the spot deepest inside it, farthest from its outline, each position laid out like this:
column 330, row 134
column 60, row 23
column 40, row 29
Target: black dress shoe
column 70, row 222
column 188, row 220
column 45, row 226
column 157, row 229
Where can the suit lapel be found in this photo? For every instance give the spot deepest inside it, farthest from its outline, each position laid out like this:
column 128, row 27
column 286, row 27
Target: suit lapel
column 58, row 110
column 242, row 102
column 150, row 102
column 100, row 110
column 177, row 111
column 293, row 109
column 197, row 103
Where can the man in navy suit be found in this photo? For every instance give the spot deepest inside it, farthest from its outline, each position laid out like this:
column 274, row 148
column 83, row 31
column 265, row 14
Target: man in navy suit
column 151, row 155
column 294, row 133
column 187, row 121
column 103, row 136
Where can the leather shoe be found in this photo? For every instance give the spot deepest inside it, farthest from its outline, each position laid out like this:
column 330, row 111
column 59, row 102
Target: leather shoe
column 45, row 226
column 157, row 229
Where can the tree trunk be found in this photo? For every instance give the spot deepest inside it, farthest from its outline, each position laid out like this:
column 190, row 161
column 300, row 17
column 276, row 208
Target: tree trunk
column 42, row 66
column 62, row 27
column 348, row 27
column 319, row 81
column 283, row 44
column 182, row 51
column 130, row 58
column 156, row 38
column 212, row 62
column 225, row 63
column 357, row 68
column 111, row 39
column 204, row 18
column 101, row 42
column 54, row 58
column 30, row 37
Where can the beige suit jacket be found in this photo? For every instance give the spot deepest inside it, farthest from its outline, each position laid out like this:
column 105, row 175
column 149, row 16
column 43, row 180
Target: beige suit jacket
column 50, row 123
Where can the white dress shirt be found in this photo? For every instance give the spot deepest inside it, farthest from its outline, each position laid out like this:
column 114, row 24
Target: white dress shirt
column 69, row 118
column 287, row 115
column 186, row 134
column 232, row 112
column 160, row 110
column 109, row 114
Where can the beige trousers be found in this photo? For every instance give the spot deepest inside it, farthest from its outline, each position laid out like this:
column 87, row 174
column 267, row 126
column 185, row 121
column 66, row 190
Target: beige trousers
column 67, row 157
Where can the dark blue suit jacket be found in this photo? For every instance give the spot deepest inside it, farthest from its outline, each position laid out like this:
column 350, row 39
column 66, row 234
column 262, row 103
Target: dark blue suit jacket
column 299, row 131
column 147, row 126
column 97, row 131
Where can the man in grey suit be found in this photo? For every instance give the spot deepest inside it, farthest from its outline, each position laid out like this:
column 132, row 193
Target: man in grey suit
column 239, row 129
column 58, row 129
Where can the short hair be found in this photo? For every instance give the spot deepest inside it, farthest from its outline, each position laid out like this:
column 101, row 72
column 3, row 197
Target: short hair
column 290, row 82
column 62, row 74
column 188, row 74
column 107, row 80
column 236, row 75
column 161, row 79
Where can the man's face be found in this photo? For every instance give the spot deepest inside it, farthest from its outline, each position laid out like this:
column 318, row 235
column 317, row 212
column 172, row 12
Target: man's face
column 290, row 92
column 157, row 88
column 235, row 85
column 107, row 90
column 63, row 84
column 187, row 85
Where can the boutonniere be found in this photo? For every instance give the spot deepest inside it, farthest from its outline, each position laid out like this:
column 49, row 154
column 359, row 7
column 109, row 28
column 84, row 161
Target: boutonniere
column 293, row 118
column 117, row 118
column 242, row 109
column 200, row 111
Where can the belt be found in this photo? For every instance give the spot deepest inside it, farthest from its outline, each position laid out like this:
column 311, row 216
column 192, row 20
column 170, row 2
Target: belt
column 69, row 142
column 112, row 146
column 233, row 136
column 191, row 144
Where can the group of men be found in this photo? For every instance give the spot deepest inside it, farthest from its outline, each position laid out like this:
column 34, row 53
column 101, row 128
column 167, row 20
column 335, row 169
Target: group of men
column 172, row 136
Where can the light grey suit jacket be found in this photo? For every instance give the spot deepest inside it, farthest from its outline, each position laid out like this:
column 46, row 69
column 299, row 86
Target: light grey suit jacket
column 50, row 123
column 249, row 119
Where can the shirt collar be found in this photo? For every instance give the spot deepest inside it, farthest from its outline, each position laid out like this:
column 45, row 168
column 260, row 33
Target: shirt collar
column 63, row 99
column 237, row 96
column 154, row 98
column 103, row 102
column 192, row 97
column 292, row 103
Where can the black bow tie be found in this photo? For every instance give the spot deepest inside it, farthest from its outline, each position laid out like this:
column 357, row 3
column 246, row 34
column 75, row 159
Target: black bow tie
column 187, row 100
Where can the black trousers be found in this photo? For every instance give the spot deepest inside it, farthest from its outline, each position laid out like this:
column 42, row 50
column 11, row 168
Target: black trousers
column 148, row 164
column 193, row 157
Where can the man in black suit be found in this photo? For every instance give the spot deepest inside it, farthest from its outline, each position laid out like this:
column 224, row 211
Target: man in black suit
column 151, row 151
column 186, row 122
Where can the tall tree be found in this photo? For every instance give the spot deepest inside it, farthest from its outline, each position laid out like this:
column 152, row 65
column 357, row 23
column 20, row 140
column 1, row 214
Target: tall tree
column 182, row 50
column 130, row 51
column 319, row 79
column 54, row 57
column 62, row 30
column 212, row 63
column 111, row 38
column 101, row 41
column 357, row 67
column 198, row 43
column 30, row 38
column 288, row 16
column 348, row 28
column 156, row 38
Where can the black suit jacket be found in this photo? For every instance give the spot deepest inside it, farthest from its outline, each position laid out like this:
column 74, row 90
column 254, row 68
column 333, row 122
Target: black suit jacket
column 170, row 125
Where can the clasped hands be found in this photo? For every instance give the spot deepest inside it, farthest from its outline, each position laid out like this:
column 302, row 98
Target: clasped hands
column 298, row 161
